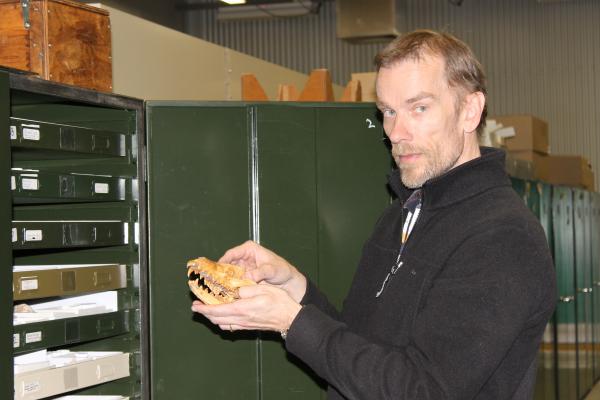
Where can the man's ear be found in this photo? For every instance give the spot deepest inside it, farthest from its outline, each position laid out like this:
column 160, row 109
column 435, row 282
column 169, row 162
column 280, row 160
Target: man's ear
column 472, row 109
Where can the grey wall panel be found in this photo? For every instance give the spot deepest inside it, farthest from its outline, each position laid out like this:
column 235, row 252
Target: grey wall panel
column 301, row 43
column 541, row 57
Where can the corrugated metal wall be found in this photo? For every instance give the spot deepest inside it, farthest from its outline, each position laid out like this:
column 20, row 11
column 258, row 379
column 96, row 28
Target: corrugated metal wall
column 541, row 58
column 301, row 43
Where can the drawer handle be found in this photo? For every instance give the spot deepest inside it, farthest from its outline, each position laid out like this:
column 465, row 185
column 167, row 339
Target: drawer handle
column 566, row 299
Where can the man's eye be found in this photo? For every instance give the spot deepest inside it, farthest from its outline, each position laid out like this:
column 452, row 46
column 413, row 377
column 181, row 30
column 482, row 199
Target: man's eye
column 421, row 109
column 388, row 113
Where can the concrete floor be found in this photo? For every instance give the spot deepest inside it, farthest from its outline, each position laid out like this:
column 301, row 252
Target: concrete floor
column 595, row 393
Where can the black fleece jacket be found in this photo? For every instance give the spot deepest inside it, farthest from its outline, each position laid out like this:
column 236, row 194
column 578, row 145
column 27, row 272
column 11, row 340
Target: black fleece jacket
column 464, row 315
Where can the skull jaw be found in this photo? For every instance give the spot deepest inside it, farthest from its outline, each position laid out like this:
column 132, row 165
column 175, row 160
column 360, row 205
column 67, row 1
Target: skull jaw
column 209, row 297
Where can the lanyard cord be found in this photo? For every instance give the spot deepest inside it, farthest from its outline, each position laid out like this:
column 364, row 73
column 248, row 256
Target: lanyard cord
column 407, row 228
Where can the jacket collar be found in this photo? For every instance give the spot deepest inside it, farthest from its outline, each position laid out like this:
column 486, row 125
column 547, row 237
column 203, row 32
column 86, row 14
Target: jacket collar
column 466, row 180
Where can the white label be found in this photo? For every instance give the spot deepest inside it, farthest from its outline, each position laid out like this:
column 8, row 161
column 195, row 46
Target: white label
column 101, row 188
column 13, row 132
column 31, row 134
column 29, row 284
column 125, row 232
column 30, row 184
column 13, row 183
column 136, row 233
column 33, row 337
column 30, row 387
column 14, row 234
column 33, row 235
column 16, row 340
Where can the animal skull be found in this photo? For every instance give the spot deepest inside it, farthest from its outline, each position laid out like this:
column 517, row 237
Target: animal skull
column 215, row 283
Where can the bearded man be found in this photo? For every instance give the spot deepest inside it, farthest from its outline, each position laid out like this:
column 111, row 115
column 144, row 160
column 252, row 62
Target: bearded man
column 456, row 283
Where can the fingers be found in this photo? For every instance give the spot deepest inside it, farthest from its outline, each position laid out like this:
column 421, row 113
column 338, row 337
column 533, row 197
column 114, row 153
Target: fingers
column 242, row 255
column 232, row 328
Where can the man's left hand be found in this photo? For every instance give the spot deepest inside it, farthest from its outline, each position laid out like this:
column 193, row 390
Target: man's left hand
column 260, row 307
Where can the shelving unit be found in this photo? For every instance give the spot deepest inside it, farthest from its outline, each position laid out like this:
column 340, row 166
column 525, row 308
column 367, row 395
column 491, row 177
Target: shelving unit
column 78, row 275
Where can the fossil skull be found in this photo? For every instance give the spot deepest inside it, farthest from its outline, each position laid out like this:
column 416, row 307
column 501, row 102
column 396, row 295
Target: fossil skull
column 215, row 283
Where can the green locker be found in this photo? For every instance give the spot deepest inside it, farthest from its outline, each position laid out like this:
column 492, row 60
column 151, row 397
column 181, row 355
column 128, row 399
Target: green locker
column 292, row 181
column 566, row 318
column 583, row 274
column 595, row 265
column 540, row 197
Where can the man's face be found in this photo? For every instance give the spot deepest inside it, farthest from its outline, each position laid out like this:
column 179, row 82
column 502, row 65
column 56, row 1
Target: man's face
column 420, row 118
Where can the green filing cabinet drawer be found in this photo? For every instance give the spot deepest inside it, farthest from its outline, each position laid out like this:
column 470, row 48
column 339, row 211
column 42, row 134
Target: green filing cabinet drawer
column 65, row 234
column 33, row 186
column 68, row 331
column 65, row 138
column 64, row 280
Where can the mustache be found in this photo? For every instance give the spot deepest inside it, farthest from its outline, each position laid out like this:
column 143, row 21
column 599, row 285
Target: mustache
column 401, row 150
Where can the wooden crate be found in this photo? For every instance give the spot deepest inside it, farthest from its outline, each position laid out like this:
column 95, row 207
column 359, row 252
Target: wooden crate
column 64, row 41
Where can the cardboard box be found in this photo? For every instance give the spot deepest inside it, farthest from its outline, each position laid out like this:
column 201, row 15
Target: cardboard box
column 60, row 40
column 527, row 155
column 572, row 171
column 531, row 133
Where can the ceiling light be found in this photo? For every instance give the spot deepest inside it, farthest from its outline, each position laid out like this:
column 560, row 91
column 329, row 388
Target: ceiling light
column 268, row 10
column 234, row 1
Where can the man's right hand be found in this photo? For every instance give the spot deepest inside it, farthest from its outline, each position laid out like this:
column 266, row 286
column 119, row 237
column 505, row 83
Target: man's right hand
column 263, row 265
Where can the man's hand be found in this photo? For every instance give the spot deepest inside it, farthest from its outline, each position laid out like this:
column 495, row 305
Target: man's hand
column 260, row 307
column 263, row 265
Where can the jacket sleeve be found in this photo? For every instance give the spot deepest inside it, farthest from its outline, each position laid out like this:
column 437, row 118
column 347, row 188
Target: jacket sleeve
column 492, row 297
column 316, row 298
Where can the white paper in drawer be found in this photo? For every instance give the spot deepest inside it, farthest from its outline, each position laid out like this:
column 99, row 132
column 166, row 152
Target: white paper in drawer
column 31, row 361
column 26, row 268
column 96, row 303
column 68, row 371
column 91, row 398
column 56, row 359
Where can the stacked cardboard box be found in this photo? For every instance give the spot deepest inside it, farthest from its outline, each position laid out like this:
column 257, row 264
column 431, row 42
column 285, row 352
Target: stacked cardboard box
column 531, row 136
column 566, row 170
column 531, row 143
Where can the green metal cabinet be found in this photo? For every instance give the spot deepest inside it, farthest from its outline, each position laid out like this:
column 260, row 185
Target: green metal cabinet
column 583, row 288
column 566, row 319
column 595, row 266
column 6, row 307
column 538, row 196
column 305, row 180
column 70, row 162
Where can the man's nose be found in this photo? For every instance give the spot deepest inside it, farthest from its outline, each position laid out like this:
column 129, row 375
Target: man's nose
column 397, row 131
